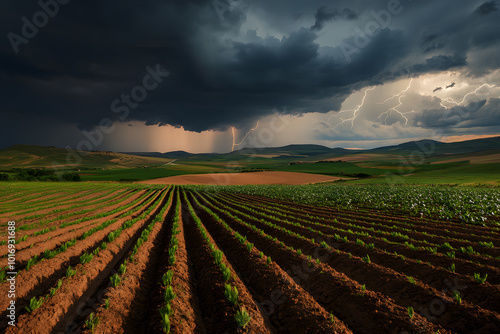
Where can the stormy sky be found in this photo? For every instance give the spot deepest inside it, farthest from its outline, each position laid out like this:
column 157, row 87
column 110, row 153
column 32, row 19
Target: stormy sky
column 196, row 75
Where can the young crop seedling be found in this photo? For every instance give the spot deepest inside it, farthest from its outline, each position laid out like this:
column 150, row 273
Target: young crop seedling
column 242, row 317
column 122, row 269
column 31, row 262
column 226, row 273
column 486, row 244
column 70, row 272
column 411, row 280
column 115, row 280
column 169, row 294
column 92, row 322
column 249, row 247
column 34, row 304
column 411, row 312
column 269, row 260
column 479, row 279
column 231, row 294
column 85, row 258
column 165, row 320
column 447, row 247
column 366, row 259
column 106, row 303
column 167, row 278
column 457, row 296
column 217, row 257
column 332, row 317
column 171, row 260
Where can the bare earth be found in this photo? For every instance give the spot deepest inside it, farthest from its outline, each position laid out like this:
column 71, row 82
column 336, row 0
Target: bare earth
column 244, row 178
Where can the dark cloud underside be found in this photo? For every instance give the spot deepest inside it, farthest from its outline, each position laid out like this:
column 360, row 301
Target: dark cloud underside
column 91, row 52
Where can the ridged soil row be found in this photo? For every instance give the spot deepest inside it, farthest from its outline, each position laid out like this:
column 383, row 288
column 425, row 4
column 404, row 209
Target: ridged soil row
column 78, row 295
column 484, row 295
column 39, row 200
column 319, row 289
column 186, row 317
column 19, row 214
column 42, row 276
column 63, row 207
column 216, row 311
column 384, row 217
column 463, row 266
column 130, row 302
column 435, row 235
column 33, row 225
column 362, row 311
column 397, row 287
column 31, row 247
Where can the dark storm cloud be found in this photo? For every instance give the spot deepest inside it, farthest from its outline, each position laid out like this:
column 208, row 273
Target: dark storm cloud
column 471, row 115
column 431, row 43
column 325, row 15
column 436, row 89
column 438, row 64
column 92, row 53
column 450, row 85
column 487, row 8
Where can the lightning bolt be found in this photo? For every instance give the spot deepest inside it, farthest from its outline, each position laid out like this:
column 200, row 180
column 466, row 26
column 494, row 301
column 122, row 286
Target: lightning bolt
column 399, row 97
column 355, row 110
column 234, row 136
column 462, row 101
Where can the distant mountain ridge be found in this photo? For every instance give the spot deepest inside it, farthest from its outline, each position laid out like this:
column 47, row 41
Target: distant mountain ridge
column 39, row 156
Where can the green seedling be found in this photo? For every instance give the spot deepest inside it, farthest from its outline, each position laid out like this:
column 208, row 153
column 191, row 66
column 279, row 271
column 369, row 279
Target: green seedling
column 479, row 279
column 231, row 294
column 242, row 317
column 92, row 322
column 115, row 280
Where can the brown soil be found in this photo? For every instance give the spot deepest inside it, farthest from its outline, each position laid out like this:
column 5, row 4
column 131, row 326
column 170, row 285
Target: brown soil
column 417, row 238
column 129, row 299
column 244, row 178
column 399, row 289
column 216, row 311
column 77, row 297
column 47, row 208
column 333, row 291
column 484, row 295
column 463, row 266
column 389, row 218
column 43, row 276
column 51, row 240
column 187, row 315
column 382, row 219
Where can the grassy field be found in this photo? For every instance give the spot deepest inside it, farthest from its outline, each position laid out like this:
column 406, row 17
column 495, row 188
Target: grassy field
column 379, row 166
column 139, row 174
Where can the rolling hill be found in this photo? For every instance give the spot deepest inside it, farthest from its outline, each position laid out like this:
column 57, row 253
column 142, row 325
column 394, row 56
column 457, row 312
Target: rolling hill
column 24, row 156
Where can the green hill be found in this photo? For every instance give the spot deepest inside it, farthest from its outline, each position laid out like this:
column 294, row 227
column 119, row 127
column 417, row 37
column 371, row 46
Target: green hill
column 24, row 156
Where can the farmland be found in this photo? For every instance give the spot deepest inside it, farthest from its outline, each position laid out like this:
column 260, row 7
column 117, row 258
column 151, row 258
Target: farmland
column 139, row 258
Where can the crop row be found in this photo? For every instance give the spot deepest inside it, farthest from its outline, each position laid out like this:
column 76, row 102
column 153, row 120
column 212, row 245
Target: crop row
column 370, row 273
column 90, row 267
column 341, row 235
column 466, row 204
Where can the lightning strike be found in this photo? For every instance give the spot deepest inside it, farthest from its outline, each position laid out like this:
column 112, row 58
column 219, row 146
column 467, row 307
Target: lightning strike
column 462, row 101
column 234, row 136
column 399, row 97
column 355, row 110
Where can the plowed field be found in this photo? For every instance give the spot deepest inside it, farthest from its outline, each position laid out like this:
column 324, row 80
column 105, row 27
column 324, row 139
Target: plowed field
column 117, row 258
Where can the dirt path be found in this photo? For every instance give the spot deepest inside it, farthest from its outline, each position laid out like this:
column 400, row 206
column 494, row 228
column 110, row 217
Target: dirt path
column 245, row 178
